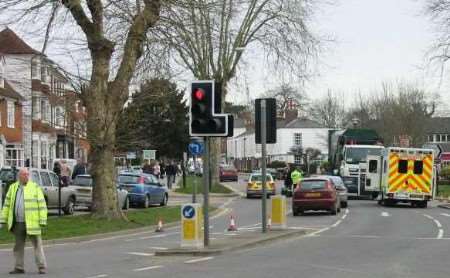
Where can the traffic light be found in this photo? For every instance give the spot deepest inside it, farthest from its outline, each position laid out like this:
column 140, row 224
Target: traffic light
column 271, row 121
column 205, row 107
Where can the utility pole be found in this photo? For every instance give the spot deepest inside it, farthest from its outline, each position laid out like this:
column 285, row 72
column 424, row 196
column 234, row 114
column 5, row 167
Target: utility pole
column 263, row 165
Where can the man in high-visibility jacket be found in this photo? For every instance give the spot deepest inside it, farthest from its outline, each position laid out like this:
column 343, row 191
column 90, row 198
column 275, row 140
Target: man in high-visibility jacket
column 296, row 177
column 24, row 213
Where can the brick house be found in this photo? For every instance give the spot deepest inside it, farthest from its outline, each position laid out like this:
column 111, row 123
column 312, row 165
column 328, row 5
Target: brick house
column 47, row 126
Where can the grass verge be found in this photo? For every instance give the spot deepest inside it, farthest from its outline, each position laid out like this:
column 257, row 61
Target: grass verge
column 82, row 225
column 216, row 188
column 444, row 191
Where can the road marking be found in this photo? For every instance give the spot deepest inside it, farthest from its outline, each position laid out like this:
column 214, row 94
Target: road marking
column 318, row 232
column 337, row 223
column 438, row 224
column 385, row 214
column 445, row 214
column 158, row 236
column 343, row 217
column 98, row 276
column 141, row 254
column 440, row 234
column 198, row 260
column 159, row 248
column 148, row 268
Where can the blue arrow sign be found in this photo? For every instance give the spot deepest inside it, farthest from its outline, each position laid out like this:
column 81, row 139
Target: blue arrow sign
column 188, row 212
column 196, row 148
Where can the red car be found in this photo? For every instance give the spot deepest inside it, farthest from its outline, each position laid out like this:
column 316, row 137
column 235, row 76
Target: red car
column 228, row 173
column 317, row 193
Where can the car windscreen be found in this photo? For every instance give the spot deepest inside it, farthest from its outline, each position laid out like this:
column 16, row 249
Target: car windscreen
column 357, row 155
column 6, row 174
column 82, row 181
column 128, row 179
column 313, row 184
column 258, row 178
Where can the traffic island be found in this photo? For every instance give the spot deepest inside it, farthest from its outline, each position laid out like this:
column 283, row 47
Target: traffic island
column 236, row 241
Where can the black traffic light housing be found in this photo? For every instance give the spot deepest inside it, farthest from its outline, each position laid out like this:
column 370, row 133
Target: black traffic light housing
column 205, row 118
column 271, row 121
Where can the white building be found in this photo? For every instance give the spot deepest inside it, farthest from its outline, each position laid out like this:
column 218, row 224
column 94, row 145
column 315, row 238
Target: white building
column 296, row 133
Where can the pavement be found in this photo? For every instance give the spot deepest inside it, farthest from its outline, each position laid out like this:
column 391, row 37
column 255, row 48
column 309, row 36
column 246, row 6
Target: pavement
column 364, row 240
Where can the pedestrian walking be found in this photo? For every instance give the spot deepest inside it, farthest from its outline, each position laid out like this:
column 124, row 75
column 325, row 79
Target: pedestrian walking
column 25, row 213
column 157, row 170
column 79, row 169
column 171, row 172
column 65, row 173
column 57, row 169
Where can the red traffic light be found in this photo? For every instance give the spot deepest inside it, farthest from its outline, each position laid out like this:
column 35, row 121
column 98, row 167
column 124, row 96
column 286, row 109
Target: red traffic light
column 199, row 94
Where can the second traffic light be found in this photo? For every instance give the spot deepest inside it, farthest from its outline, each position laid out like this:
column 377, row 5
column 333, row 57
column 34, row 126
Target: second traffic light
column 205, row 107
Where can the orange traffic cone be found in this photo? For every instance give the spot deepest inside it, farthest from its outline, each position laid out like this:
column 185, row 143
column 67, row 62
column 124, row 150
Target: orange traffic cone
column 269, row 223
column 159, row 228
column 232, row 227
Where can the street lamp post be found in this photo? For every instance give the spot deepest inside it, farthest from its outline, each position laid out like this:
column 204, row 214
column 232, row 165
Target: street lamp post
column 245, row 156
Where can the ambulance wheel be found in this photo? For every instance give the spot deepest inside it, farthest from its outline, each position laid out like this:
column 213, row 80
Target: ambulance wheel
column 422, row 204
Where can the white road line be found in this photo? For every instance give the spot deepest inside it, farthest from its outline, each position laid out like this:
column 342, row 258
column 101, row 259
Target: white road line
column 318, row 232
column 438, row 224
column 440, row 234
column 141, row 254
column 385, row 214
column 98, row 276
column 445, row 214
column 148, row 268
column 198, row 260
column 158, row 248
column 159, row 236
column 343, row 217
column 337, row 223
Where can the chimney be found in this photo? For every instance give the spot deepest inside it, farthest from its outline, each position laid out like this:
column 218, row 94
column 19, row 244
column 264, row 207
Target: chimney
column 291, row 115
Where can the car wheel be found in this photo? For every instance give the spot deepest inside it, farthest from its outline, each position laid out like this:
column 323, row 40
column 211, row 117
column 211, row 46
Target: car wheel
column 295, row 212
column 164, row 201
column 422, row 204
column 248, row 196
column 70, row 206
column 146, row 203
column 126, row 204
column 344, row 204
column 334, row 210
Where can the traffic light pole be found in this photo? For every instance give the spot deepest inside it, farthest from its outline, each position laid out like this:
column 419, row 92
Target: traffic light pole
column 263, row 165
column 206, row 181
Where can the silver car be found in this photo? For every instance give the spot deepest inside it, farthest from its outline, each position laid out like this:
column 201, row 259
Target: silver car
column 82, row 185
column 341, row 189
column 49, row 182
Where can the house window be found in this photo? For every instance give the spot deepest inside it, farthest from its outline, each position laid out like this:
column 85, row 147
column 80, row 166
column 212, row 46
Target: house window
column 438, row 138
column 36, row 109
column 2, row 74
column 34, row 70
column 11, row 111
column 430, row 138
column 44, row 154
column 35, row 146
column 43, row 74
column 59, row 117
column 297, row 159
column 297, row 139
column 448, row 137
column 14, row 155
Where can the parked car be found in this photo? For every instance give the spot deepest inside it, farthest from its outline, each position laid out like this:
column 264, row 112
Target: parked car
column 228, row 173
column 341, row 190
column 143, row 189
column 254, row 185
column 49, row 182
column 316, row 193
column 83, row 185
column 7, row 177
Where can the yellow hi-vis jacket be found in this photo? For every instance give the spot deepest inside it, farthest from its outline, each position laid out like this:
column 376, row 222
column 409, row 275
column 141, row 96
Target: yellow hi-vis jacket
column 34, row 206
column 296, row 177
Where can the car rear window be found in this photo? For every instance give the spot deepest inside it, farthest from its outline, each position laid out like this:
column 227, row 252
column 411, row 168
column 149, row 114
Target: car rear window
column 128, row 179
column 228, row 168
column 82, row 181
column 313, row 184
column 259, row 178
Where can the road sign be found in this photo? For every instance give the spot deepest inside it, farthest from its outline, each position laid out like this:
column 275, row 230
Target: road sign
column 149, row 154
column 188, row 211
column 131, row 155
column 191, row 226
column 196, row 148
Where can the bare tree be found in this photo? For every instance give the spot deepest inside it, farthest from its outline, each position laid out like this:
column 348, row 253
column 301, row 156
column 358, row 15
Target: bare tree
column 328, row 111
column 110, row 29
column 208, row 37
column 397, row 110
column 288, row 98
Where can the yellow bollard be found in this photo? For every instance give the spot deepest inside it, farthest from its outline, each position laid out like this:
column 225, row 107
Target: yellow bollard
column 279, row 219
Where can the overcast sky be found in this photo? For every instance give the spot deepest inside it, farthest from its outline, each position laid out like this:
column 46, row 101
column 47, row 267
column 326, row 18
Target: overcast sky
column 376, row 41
